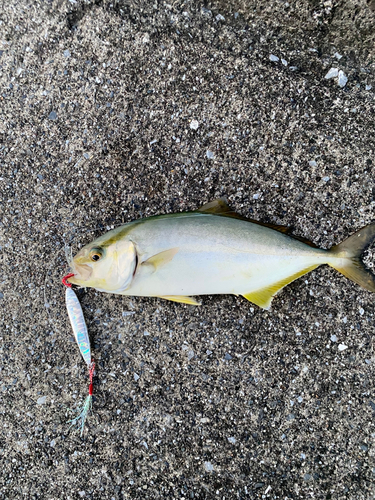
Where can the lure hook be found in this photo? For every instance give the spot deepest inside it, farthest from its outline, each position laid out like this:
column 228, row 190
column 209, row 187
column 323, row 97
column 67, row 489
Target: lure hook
column 64, row 282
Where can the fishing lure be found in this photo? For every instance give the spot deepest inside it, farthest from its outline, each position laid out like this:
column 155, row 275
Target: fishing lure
column 79, row 327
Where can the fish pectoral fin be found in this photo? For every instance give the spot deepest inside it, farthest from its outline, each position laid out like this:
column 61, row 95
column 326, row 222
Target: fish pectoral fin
column 160, row 259
column 264, row 296
column 181, row 298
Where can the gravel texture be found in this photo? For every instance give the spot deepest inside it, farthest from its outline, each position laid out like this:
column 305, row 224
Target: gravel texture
column 116, row 111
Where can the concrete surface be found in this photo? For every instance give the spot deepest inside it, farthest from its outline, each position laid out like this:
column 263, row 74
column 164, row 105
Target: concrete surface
column 115, row 111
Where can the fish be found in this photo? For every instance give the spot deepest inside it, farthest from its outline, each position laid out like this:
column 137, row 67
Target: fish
column 209, row 251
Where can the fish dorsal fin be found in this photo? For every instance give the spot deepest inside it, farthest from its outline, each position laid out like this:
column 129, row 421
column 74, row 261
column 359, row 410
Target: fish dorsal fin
column 276, row 227
column 264, row 296
column 304, row 240
column 221, row 207
column 160, row 259
column 182, row 299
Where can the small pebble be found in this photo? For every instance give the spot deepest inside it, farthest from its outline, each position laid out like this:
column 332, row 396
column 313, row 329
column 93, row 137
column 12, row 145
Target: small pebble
column 41, row 400
column 342, row 79
column 312, row 163
column 194, row 124
column 332, row 73
column 219, row 17
column 368, row 87
column 128, row 313
column 67, row 53
column 337, row 55
column 208, row 466
column 342, row 347
column 210, row 155
column 232, row 440
column 136, row 377
column 361, row 311
column 333, row 338
column 284, row 62
column 274, row 58
column 52, row 115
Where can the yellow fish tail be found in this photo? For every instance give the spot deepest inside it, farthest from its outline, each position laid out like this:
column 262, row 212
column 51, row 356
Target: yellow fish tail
column 347, row 257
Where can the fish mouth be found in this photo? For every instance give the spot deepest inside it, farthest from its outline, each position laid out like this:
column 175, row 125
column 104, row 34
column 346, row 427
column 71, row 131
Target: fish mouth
column 82, row 273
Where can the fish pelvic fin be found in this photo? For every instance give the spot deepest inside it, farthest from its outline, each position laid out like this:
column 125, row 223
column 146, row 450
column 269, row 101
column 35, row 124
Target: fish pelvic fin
column 182, row 299
column 263, row 297
column 348, row 257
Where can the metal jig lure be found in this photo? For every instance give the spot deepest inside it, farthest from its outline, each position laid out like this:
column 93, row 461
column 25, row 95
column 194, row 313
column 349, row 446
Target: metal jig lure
column 79, row 327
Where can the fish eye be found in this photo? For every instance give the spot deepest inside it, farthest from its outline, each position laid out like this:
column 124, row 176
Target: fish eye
column 95, row 254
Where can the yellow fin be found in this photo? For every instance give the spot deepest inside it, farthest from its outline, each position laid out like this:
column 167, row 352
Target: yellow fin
column 264, row 296
column 181, row 298
column 161, row 258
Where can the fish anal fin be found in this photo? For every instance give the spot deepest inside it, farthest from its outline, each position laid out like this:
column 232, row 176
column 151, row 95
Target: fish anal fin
column 221, row 207
column 264, row 296
column 160, row 259
column 261, row 298
column 182, row 299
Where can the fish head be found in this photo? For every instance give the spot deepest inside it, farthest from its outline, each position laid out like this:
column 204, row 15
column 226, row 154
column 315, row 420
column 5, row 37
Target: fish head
column 106, row 265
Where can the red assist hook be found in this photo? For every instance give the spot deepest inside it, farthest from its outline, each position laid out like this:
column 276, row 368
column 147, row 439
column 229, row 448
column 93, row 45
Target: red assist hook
column 64, row 282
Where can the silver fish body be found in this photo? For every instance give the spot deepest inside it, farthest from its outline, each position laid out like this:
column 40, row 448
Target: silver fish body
column 210, row 251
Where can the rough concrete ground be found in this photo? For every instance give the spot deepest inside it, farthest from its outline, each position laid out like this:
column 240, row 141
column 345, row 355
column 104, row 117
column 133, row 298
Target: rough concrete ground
column 98, row 108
